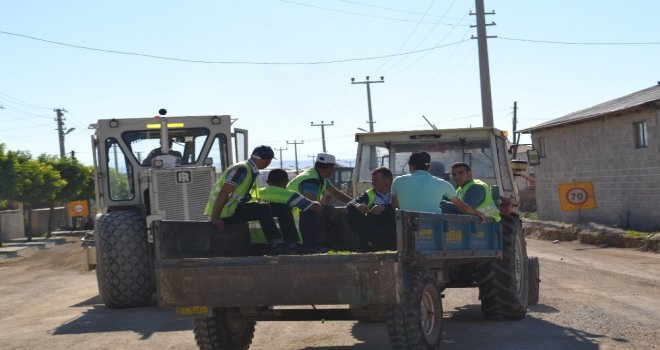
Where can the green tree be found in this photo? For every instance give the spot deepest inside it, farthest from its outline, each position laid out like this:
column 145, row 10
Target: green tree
column 38, row 182
column 8, row 175
column 80, row 183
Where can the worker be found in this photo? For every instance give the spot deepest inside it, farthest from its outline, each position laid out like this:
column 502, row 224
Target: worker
column 420, row 191
column 229, row 201
column 282, row 201
column 158, row 152
column 371, row 214
column 473, row 192
column 313, row 184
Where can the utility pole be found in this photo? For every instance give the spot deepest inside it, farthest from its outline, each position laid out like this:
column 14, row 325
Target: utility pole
column 281, row 149
column 514, row 154
column 312, row 157
column 295, row 150
column 484, row 70
column 369, row 82
column 322, row 125
column 60, row 129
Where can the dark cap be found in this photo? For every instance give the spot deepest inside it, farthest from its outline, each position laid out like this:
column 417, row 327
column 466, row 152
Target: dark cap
column 420, row 160
column 263, row 152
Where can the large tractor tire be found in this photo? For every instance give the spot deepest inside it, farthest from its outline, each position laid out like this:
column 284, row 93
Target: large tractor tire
column 223, row 331
column 534, row 280
column 503, row 283
column 416, row 324
column 123, row 267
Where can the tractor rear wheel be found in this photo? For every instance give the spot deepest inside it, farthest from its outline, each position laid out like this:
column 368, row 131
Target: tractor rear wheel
column 123, row 268
column 223, row 331
column 534, row 280
column 417, row 323
column 503, row 283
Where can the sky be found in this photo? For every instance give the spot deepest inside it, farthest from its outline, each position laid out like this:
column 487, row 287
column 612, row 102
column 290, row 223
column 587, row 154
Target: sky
column 278, row 66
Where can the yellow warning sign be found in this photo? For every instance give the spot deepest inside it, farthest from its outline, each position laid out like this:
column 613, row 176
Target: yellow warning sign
column 577, row 196
column 79, row 209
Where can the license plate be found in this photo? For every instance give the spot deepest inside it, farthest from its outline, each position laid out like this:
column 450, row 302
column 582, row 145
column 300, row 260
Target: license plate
column 192, row 311
column 454, row 236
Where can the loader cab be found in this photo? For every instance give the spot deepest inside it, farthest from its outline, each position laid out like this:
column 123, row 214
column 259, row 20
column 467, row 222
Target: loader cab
column 124, row 150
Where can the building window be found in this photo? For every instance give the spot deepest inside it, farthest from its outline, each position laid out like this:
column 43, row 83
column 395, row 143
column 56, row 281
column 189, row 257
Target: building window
column 541, row 144
column 641, row 135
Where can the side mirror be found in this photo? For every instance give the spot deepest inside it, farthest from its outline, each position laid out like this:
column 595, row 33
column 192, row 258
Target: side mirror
column 533, row 157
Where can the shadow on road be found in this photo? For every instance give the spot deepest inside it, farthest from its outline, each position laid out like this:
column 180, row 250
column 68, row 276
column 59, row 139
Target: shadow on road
column 465, row 328
column 144, row 321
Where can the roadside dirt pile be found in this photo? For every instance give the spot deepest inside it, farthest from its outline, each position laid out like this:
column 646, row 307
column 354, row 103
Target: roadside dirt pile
column 590, row 233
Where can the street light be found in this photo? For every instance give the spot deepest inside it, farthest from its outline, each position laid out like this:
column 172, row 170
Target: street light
column 68, row 131
column 362, row 130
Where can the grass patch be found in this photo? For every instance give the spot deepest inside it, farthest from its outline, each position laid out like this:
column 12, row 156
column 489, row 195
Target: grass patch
column 529, row 215
column 633, row 234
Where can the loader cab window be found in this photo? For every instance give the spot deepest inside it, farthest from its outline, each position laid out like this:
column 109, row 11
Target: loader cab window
column 219, row 153
column 120, row 172
column 187, row 143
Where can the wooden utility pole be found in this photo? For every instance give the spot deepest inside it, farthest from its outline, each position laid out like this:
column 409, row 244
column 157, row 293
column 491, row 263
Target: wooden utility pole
column 60, row 129
column 281, row 149
column 323, row 125
column 369, row 82
column 484, row 70
column 295, row 148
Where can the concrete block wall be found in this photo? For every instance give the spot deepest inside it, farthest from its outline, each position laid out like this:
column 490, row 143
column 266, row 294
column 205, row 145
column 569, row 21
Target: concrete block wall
column 11, row 225
column 626, row 179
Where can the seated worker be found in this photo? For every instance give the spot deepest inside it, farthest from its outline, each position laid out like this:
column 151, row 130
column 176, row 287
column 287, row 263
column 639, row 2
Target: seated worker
column 229, row 201
column 371, row 215
column 313, row 183
column 282, row 201
column 421, row 191
column 473, row 192
column 158, row 152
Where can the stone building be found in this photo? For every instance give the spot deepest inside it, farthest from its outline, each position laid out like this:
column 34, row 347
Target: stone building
column 612, row 150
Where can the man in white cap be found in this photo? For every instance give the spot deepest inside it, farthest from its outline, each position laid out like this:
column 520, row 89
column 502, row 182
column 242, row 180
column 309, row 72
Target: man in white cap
column 313, row 183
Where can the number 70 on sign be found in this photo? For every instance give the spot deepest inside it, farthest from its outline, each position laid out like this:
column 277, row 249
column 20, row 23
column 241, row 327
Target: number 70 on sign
column 577, row 196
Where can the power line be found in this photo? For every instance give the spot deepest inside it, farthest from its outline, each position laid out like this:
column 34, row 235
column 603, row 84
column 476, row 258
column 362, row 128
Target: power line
column 578, row 43
column 229, row 62
column 357, row 13
column 396, row 10
column 23, row 103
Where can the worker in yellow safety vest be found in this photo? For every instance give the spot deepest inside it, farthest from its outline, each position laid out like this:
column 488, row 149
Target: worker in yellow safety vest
column 282, row 201
column 371, row 214
column 473, row 192
column 230, row 198
column 313, row 184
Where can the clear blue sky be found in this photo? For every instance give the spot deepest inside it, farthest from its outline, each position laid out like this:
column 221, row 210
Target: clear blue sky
column 277, row 102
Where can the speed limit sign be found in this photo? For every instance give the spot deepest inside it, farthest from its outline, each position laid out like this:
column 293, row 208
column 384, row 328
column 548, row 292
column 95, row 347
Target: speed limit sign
column 576, row 196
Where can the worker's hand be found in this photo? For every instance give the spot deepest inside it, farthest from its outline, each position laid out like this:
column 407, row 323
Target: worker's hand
column 483, row 218
column 218, row 223
column 363, row 209
column 377, row 209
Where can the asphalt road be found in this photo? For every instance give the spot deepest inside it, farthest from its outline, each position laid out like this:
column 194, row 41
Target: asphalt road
column 591, row 298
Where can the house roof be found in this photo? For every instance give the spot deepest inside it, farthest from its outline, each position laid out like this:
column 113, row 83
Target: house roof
column 635, row 99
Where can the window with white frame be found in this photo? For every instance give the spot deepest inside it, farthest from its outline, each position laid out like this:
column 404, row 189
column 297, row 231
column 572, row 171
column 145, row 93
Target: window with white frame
column 641, row 134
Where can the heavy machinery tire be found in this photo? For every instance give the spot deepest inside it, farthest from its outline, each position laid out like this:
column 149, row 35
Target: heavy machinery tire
column 223, row 331
column 534, row 280
column 416, row 324
column 123, row 268
column 503, row 282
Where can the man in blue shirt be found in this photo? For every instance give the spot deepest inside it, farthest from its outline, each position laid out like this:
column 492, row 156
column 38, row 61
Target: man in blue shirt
column 421, row 191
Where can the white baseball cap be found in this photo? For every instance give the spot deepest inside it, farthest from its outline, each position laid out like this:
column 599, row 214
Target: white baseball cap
column 325, row 158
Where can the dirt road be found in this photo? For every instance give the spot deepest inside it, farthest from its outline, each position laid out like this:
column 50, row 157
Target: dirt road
column 591, row 298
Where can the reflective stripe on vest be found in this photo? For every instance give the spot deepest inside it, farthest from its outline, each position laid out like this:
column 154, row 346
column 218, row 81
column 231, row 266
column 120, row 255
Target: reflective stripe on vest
column 235, row 197
column 488, row 206
column 371, row 196
column 308, row 174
